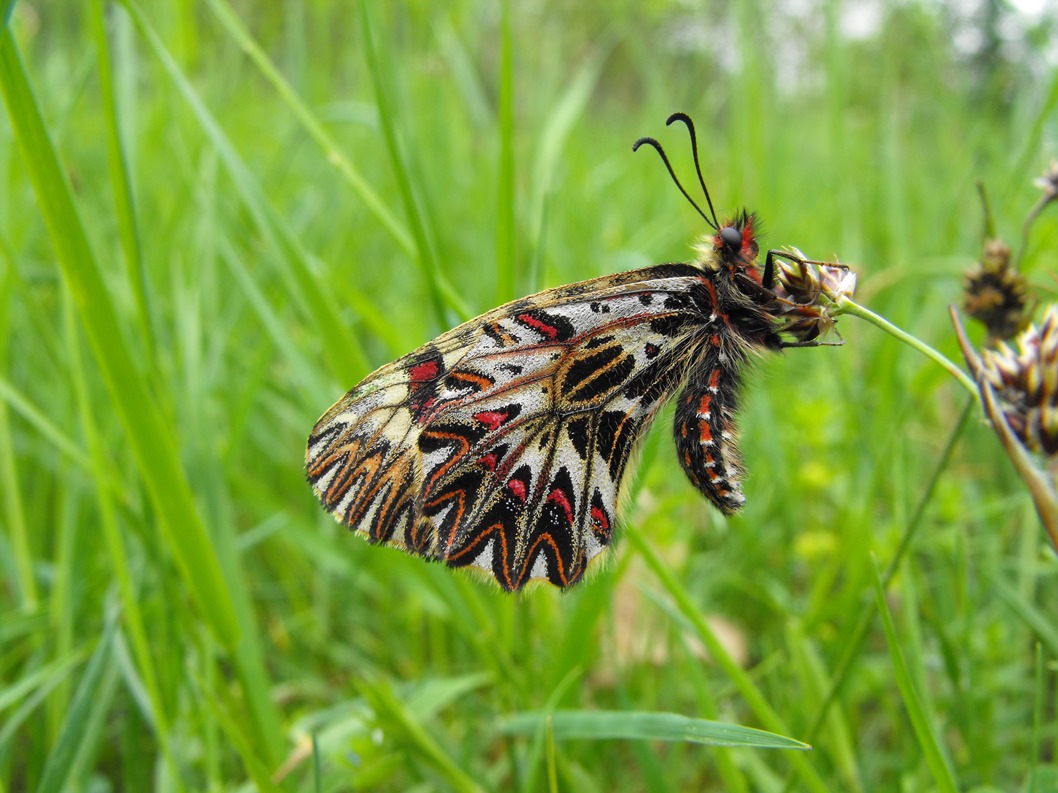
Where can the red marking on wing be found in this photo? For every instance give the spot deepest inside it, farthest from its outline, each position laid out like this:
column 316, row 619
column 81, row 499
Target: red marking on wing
column 421, row 372
column 703, row 406
column 489, row 461
column 517, row 486
column 599, row 518
column 560, row 498
column 492, row 418
column 536, row 324
column 714, row 378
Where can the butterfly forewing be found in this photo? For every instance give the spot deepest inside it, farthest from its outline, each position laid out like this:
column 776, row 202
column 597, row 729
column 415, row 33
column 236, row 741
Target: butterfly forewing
column 503, row 443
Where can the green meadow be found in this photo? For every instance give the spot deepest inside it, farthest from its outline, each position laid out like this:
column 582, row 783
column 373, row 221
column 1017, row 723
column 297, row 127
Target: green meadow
column 217, row 217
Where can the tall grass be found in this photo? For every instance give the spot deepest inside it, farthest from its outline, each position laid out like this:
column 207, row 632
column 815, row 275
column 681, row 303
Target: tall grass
column 219, row 217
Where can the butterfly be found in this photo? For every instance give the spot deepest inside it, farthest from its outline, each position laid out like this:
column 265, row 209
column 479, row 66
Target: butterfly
column 502, row 444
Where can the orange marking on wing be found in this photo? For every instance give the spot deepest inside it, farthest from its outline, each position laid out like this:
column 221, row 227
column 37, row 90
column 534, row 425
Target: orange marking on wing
column 480, row 382
column 531, row 553
column 453, row 460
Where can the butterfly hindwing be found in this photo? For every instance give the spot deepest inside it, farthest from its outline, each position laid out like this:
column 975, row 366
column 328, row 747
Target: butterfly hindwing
column 503, row 443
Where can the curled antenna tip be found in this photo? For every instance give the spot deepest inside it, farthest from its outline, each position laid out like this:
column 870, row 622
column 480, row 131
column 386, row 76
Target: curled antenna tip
column 665, row 159
column 644, row 141
column 680, row 116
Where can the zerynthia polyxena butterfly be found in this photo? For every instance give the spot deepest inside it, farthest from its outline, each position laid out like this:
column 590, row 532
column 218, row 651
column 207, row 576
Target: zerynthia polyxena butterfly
column 503, row 443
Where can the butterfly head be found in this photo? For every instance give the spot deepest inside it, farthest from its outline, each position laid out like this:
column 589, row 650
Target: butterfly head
column 735, row 243
column 732, row 247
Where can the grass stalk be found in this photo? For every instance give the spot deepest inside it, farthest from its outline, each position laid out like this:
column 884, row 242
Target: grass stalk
column 847, row 306
column 150, row 438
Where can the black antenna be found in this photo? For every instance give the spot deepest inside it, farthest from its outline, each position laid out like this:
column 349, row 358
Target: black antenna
column 694, row 150
column 714, row 224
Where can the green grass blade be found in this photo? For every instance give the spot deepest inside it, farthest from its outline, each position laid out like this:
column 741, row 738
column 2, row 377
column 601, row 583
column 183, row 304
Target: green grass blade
column 851, row 649
column 505, row 279
column 307, row 375
column 47, row 677
column 1042, row 625
column 312, row 124
column 14, row 514
column 149, row 436
column 553, row 139
column 928, row 742
column 132, row 614
column 398, row 716
column 39, row 420
column 31, row 695
column 314, row 297
column 426, row 257
column 552, row 759
column 317, row 765
column 598, row 725
column 735, row 673
column 92, row 699
column 242, row 743
column 1037, row 714
column 120, row 179
column 841, row 745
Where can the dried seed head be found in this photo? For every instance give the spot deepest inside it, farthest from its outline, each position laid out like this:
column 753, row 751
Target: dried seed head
column 1018, row 392
column 995, row 294
column 808, row 292
column 996, row 255
column 1025, row 383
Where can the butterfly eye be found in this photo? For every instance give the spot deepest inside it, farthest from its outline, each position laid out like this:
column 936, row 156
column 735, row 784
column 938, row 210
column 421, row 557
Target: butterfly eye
column 731, row 238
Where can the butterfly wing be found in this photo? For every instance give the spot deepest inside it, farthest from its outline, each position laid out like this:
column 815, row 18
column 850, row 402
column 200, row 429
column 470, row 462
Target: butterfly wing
column 503, row 443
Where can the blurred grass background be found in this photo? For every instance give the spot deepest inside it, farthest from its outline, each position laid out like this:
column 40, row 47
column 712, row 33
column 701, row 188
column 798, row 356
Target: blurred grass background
column 256, row 204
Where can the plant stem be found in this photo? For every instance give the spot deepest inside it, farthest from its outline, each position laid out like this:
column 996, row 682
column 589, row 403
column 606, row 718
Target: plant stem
column 847, row 306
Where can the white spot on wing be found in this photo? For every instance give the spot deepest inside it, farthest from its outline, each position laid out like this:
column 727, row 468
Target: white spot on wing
column 484, row 559
column 539, row 566
column 592, row 546
column 324, row 482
